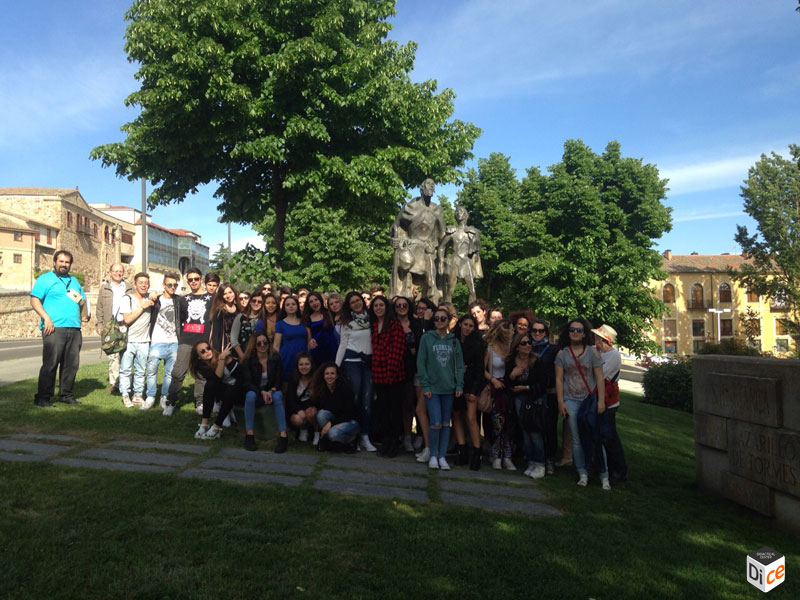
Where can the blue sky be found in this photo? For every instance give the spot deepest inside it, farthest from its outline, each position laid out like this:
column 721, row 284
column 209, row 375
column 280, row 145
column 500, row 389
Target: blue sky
column 700, row 89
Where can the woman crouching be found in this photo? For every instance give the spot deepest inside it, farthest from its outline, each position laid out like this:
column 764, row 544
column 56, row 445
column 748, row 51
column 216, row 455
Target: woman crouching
column 337, row 411
column 220, row 371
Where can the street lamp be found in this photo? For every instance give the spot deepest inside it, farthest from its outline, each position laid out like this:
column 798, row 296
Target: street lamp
column 718, row 312
column 221, row 220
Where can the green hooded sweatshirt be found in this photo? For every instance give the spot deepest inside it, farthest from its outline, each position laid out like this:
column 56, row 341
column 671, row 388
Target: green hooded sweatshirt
column 440, row 363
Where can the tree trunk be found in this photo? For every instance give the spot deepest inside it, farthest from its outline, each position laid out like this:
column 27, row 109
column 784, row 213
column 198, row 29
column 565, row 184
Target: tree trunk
column 281, row 201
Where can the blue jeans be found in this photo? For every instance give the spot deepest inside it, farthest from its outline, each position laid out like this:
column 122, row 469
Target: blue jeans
column 577, row 450
column 135, row 357
column 254, row 400
column 360, row 377
column 532, row 443
column 343, row 433
column 440, row 407
column 158, row 352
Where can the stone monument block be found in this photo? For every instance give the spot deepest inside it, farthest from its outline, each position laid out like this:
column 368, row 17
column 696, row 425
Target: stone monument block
column 711, row 431
column 766, row 455
column 753, row 399
column 748, row 493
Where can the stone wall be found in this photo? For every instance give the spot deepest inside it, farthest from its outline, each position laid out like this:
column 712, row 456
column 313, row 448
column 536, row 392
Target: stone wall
column 18, row 320
column 747, row 432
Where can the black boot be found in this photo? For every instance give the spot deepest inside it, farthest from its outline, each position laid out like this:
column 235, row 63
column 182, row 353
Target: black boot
column 250, row 443
column 462, row 455
column 283, row 443
column 475, row 459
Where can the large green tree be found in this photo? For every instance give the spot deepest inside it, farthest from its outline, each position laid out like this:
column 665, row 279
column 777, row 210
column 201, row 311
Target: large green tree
column 578, row 240
column 771, row 195
column 282, row 102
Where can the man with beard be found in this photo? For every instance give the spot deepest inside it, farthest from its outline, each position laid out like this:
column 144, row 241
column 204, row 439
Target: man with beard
column 194, row 328
column 57, row 297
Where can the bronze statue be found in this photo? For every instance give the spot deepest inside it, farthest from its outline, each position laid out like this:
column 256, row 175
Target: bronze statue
column 416, row 235
column 464, row 262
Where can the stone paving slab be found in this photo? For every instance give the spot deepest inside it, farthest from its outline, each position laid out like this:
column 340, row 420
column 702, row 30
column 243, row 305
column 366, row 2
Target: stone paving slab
column 269, row 456
column 486, row 489
column 374, row 478
column 112, row 465
column 145, row 458
column 255, row 465
column 374, row 491
column 46, row 436
column 32, row 447
column 378, row 464
column 501, row 504
column 488, row 475
column 8, row 456
column 161, row 446
column 241, row 476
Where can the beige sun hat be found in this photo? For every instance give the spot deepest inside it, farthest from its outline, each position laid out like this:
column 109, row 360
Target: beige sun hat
column 606, row 332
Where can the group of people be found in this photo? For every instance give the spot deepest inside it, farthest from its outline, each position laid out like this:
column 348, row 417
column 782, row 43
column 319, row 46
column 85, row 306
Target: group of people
column 355, row 372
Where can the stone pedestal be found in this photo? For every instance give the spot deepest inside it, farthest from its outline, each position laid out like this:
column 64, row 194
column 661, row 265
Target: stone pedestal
column 747, row 432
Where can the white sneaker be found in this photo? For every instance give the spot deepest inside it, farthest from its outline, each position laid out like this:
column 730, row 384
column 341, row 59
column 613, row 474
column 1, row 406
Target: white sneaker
column 366, row 444
column 606, row 484
column 303, row 437
column 418, row 443
column 213, row 433
column 200, row 434
column 497, row 464
column 423, row 456
column 509, row 464
column 137, row 399
column 529, row 470
column 126, row 401
column 148, row 404
column 217, row 407
column 316, row 438
column 537, row 473
column 168, row 410
column 443, row 464
column 583, row 481
column 163, row 402
column 229, row 420
column 407, row 445
column 198, row 409
column 433, row 463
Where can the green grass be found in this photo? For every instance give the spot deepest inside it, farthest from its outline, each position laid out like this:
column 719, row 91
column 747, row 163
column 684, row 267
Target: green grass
column 79, row 533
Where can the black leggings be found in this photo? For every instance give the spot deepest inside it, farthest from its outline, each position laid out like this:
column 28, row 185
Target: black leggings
column 551, row 428
column 227, row 394
column 389, row 406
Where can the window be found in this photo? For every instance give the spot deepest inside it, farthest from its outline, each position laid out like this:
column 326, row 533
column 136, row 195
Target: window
column 127, row 238
column 698, row 345
column 49, row 236
column 752, row 296
column 69, row 218
column 698, row 328
column 782, row 345
column 696, row 300
column 781, row 327
column 726, row 327
column 671, row 347
column 94, row 229
column 105, row 234
column 17, row 236
column 670, row 328
column 724, row 293
column 18, row 259
column 669, row 293
column 779, row 301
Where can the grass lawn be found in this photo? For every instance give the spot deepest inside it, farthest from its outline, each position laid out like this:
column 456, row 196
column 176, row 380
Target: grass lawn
column 80, row 533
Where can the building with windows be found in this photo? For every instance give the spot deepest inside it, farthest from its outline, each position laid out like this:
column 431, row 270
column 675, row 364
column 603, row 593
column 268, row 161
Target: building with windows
column 705, row 304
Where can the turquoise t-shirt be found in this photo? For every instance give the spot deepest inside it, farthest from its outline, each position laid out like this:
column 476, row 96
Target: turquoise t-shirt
column 52, row 289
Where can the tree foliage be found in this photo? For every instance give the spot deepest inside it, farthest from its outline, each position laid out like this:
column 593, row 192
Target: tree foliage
column 282, row 103
column 575, row 241
column 771, row 195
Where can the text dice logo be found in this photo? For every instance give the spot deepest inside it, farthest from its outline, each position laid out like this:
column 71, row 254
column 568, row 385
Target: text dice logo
column 766, row 568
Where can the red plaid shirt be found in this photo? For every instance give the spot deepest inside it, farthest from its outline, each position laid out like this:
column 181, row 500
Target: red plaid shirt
column 388, row 349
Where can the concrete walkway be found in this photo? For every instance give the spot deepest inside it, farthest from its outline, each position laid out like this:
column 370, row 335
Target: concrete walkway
column 361, row 475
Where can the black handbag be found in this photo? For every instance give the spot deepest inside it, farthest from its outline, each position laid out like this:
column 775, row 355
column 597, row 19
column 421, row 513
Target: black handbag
column 533, row 414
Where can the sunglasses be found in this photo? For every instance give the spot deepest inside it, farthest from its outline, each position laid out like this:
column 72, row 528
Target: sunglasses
column 525, row 343
column 203, row 350
column 439, row 318
column 261, row 343
column 192, row 279
column 538, row 330
column 576, row 329
column 171, row 285
column 244, row 297
column 401, row 305
column 256, row 301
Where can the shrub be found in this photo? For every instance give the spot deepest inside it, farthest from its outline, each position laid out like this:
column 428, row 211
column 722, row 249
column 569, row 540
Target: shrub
column 734, row 346
column 670, row 385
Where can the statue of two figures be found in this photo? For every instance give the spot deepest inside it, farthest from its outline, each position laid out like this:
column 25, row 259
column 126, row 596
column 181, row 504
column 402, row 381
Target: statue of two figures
column 421, row 241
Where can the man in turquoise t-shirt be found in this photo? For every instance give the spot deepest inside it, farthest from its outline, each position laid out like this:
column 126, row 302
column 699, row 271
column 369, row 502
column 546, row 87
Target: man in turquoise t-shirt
column 57, row 298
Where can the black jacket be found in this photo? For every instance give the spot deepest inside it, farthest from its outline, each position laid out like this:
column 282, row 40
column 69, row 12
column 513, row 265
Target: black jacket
column 251, row 374
column 340, row 402
column 292, row 402
column 474, row 354
column 176, row 305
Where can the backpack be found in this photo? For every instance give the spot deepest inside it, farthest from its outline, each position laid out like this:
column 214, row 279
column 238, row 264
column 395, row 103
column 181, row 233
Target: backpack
column 114, row 337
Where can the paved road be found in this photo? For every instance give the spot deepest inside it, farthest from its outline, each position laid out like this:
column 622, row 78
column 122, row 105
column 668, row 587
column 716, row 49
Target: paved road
column 21, row 359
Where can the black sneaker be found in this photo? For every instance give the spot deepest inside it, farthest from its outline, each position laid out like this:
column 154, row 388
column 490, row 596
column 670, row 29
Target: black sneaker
column 43, row 403
column 250, row 443
column 68, row 400
column 283, row 443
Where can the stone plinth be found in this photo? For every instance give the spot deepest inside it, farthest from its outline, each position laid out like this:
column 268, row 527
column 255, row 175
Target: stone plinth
column 747, row 432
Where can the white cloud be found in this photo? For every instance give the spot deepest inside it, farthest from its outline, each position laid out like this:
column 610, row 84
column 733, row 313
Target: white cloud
column 710, row 175
column 718, row 215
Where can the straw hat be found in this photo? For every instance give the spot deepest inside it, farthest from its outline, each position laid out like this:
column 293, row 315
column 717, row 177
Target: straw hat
column 606, row 332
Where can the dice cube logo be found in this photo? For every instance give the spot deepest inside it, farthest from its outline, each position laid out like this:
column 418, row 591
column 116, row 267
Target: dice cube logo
column 766, row 569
